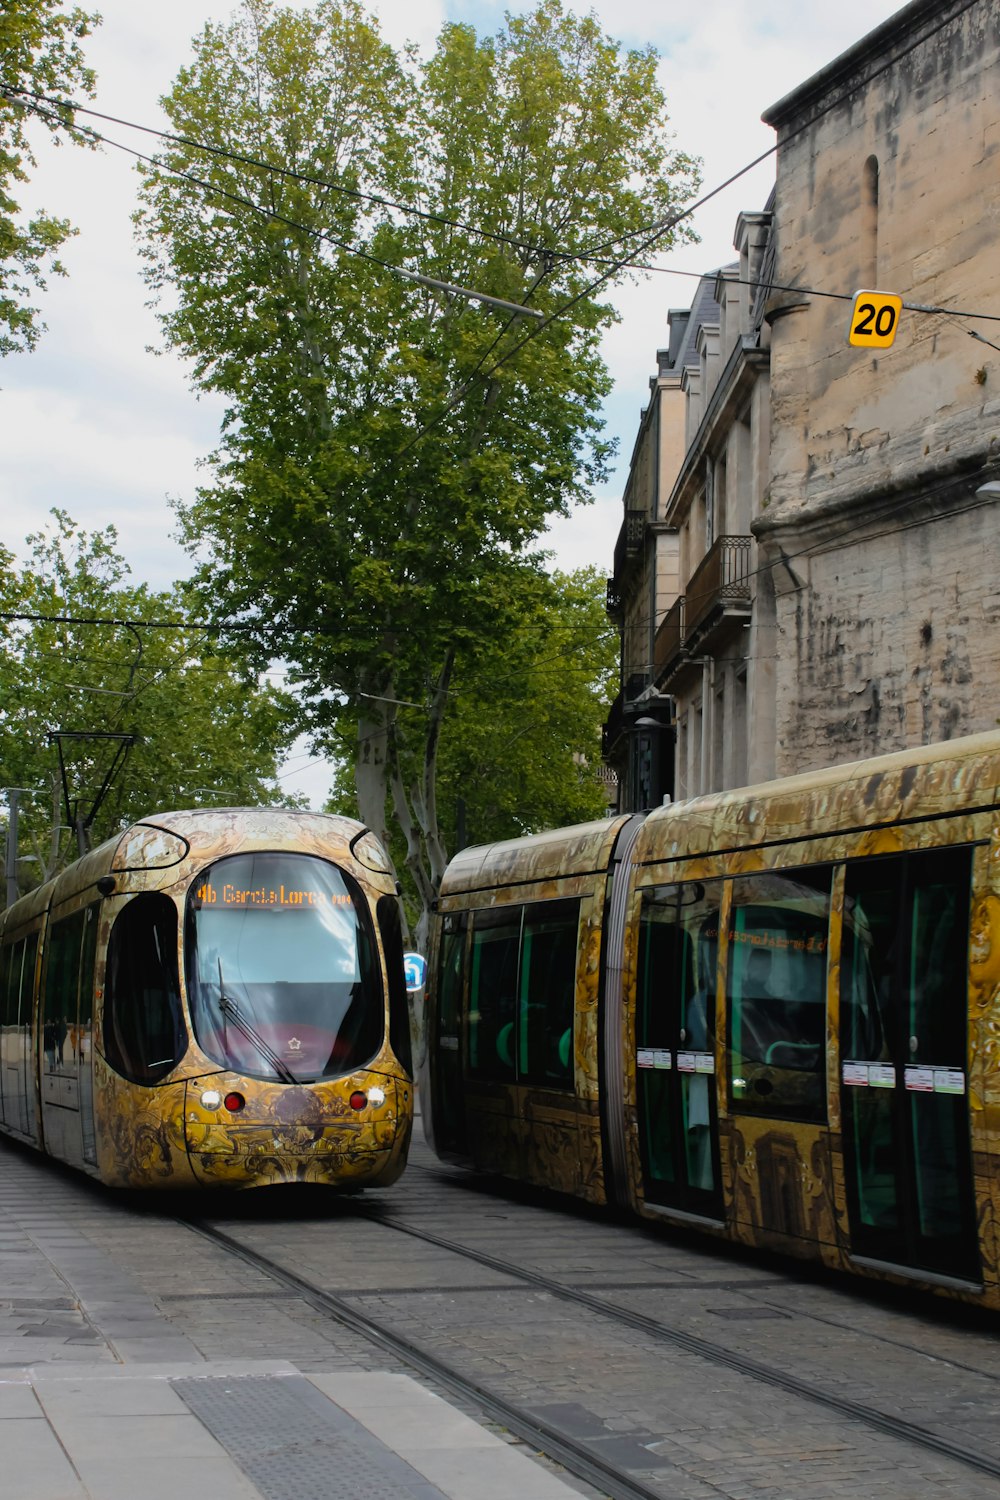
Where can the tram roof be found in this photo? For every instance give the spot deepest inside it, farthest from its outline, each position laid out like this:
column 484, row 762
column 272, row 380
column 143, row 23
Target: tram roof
column 955, row 777
column 162, row 841
column 579, row 850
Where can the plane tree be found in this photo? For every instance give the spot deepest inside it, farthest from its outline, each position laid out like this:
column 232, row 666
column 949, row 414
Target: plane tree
column 207, row 732
column 40, row 54
column 519, row 747
column 391, row 449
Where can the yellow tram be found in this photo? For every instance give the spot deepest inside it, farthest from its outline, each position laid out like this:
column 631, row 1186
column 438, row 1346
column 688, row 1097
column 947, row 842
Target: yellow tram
column 771, row 1014
column 212, row 998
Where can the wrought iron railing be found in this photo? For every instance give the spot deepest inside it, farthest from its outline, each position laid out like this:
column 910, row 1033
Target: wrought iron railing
column 613, row 598
column 630, row 537
column 721, row 578
column 669, row 642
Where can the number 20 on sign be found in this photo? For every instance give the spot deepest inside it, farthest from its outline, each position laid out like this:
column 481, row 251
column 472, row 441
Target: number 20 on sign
column 874, row 319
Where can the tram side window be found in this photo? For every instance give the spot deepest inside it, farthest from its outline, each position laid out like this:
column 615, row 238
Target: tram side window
column 522, row 993
column 904, row 995
column 776, row 994
column 451, row 972
column 144, row 1033
column 24, row 969
column 391, row 932
column 547, row 993
column 88, row 961
column 62, row 976
column 7, row 1105
column 8, row 987
column 675, row 1013
column 496, row 939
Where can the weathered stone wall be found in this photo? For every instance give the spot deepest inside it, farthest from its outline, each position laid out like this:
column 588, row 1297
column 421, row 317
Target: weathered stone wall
column 894, row 638
column 890, row 637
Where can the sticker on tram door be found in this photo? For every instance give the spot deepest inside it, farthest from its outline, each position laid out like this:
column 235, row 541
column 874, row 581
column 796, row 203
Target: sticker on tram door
column 874, row 319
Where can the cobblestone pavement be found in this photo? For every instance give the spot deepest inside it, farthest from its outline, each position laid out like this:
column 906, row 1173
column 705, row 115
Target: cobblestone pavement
column 689, row 1427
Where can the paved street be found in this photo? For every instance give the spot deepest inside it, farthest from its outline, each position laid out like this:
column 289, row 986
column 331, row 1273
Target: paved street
column 125, row 1337
column 113, row 1382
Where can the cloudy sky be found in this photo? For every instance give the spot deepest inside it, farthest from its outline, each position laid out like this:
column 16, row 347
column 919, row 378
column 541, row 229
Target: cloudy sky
column 96, row 424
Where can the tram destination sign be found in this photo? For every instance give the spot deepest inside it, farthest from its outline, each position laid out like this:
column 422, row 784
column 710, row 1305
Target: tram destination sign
column 229, row 895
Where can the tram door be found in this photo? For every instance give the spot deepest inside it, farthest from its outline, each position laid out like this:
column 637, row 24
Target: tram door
column 66, row 1021
column 904, row 1085
column 675, row 1047
column 446, row 1057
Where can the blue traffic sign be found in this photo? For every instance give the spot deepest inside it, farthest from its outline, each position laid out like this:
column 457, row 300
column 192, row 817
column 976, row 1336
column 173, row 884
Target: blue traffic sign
column 415, row 969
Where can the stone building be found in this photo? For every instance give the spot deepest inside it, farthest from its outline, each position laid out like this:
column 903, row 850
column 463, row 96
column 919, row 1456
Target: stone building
column 817, row 576
column 684, row 582
column 880, row 535
column 638, row 734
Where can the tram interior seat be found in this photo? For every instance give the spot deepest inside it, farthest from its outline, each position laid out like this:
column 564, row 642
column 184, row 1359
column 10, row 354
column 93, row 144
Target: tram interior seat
column 505, row 1052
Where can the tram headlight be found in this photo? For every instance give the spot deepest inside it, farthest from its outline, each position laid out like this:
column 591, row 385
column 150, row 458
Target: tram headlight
column 376, row 1096
column 210, row 1099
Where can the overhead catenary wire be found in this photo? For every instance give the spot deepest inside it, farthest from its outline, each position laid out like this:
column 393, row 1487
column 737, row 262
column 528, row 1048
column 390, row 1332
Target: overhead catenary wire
column 639, row 621
column 19, row 95
column 655, row 232
column 482, row 370
column 811, row 291
column 449, row 288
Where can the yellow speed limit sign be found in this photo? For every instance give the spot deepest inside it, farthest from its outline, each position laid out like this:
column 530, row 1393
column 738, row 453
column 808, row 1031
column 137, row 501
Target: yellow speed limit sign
column 874, row 319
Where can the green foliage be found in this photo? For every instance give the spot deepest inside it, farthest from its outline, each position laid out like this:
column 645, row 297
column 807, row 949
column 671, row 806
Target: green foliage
column 520, row 740
column 208, row 732
column 391, row 452
column 39, row 52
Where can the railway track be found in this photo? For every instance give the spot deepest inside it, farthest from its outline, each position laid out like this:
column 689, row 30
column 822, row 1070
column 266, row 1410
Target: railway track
column 882, row 1422
column 578, row 1458
column 543, row 1437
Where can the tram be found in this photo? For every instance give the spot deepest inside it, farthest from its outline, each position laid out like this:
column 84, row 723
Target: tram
column 769, row 1014
column 212, row 999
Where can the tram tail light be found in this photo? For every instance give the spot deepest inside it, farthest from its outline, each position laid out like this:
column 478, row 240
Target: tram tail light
column 234, row 1103
column 358, row 1100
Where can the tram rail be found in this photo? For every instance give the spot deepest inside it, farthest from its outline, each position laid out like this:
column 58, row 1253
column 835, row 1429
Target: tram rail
column 577, row 1458
column 707, row 1349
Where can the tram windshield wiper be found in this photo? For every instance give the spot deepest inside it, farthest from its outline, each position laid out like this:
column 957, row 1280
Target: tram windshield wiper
column 232, row 1012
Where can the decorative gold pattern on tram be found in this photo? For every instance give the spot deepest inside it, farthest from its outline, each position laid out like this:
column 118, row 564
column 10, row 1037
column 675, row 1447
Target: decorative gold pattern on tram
column 783, row 1183
column 161, row 1134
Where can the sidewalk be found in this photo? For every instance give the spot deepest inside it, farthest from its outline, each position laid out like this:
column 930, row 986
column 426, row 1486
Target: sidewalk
column 260, row 1432
column 103, row 1398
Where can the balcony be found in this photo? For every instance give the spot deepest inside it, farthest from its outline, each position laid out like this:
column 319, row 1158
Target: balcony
column 612, row 599
column 668, row 648
column 719, row 587
column 630, row 539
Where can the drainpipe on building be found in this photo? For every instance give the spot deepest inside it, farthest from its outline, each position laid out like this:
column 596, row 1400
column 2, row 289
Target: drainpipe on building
column 707, row 721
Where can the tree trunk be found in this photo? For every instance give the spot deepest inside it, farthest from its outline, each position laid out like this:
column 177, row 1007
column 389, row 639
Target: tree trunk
column 375, row 718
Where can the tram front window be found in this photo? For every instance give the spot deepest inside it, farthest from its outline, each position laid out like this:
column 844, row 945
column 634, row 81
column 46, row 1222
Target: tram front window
column 283, row 975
